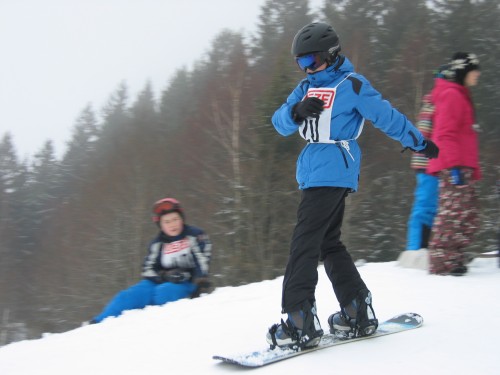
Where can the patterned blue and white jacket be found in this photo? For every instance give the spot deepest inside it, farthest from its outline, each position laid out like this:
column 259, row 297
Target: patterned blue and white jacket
column 188, row 253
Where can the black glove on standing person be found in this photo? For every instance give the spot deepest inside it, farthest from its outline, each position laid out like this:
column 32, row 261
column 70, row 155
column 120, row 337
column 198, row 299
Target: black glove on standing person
column 430, row 151
column 309, row 107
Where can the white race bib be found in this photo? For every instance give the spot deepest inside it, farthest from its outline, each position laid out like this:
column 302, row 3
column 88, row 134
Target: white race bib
column 317, row 129
column 177, row 254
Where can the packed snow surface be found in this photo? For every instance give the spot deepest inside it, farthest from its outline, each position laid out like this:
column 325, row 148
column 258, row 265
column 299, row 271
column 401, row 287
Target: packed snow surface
column 460, row 333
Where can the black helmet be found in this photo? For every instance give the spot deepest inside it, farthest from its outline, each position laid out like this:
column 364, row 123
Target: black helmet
column 317, row 37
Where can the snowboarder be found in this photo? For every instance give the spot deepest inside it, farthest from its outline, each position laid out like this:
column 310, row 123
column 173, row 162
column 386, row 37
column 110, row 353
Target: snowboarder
column 175, row 267
column 328, row 109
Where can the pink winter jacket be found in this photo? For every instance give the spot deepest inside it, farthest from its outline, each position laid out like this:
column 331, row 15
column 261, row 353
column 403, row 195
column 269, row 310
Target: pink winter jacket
column 453, row 129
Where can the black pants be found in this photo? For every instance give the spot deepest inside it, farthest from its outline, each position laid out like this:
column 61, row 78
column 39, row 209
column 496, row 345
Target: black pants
column 317, row 237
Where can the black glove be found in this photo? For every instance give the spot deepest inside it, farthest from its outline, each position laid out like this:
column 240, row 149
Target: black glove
column 309, row 107
column 430, row 151
column 203, row 285
column 175, row 276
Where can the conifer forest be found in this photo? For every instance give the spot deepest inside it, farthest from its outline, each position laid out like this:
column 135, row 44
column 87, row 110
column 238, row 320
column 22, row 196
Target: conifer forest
column 74, row 230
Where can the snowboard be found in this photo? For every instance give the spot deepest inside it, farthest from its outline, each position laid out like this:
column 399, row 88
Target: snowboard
column 399, row 323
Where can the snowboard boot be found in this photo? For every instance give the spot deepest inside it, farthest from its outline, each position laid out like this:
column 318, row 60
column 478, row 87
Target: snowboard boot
column 356, row 319
column 301, row 330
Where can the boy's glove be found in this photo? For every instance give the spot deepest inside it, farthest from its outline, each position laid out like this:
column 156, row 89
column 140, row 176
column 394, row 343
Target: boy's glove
column 203, row 285
column 175, row 276
column 430, row 151
column 309, row 107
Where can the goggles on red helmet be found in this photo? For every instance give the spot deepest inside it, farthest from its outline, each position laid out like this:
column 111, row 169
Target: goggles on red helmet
column 164, row 206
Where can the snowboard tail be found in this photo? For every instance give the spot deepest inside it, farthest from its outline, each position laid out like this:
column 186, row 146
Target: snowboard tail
column 399, row 323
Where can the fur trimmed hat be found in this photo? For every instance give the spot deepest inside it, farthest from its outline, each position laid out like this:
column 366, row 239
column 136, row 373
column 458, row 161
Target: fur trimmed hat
column 461, row 63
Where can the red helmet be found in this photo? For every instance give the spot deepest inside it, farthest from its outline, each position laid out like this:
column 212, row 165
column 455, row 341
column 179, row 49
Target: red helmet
column 165, row 206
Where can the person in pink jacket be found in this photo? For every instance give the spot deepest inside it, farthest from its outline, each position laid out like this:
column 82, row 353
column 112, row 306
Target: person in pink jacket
column 455, row 133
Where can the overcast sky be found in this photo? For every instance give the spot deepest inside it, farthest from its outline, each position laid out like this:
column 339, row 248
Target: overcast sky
column 59, row 55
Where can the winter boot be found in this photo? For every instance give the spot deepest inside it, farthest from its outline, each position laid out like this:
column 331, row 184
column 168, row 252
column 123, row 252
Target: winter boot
column 301, row 330
column 356, row 319
column 459, row 271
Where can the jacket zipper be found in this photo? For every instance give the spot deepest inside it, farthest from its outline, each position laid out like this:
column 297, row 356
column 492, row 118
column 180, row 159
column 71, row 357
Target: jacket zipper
column 343, row 155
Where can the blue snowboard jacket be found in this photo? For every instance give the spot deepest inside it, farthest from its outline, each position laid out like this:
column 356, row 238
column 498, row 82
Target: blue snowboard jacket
column 332, row 155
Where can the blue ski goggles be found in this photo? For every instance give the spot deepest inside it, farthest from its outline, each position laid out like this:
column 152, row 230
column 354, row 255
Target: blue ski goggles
column 310, row 61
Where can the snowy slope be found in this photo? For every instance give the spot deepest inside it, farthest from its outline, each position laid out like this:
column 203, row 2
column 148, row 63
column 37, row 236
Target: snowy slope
column 181, row 337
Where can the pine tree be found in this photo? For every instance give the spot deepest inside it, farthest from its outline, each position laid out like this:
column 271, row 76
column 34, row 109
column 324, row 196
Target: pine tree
column 14, row 286
column 80, row 152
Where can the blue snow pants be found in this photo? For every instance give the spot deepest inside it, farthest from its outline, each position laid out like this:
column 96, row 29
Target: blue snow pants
column 423, row 211
column 145, row 293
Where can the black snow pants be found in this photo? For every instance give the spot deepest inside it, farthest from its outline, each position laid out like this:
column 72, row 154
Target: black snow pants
column 317, row 237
